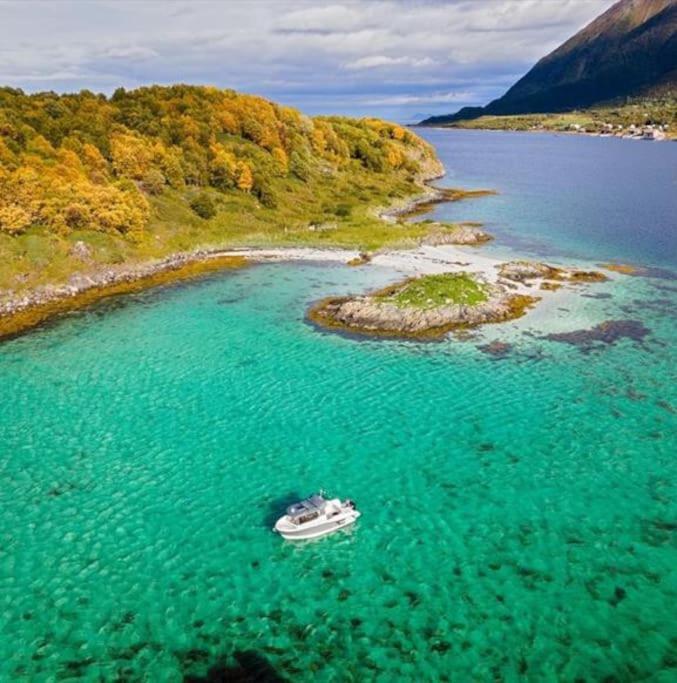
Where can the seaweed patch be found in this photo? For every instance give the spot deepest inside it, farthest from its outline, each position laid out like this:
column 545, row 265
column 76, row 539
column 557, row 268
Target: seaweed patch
column 608, row 332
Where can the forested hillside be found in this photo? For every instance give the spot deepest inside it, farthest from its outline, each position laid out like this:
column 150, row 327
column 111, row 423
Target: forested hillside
column 159, row 169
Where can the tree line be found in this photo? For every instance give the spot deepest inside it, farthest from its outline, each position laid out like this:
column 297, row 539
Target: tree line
column 90, row 162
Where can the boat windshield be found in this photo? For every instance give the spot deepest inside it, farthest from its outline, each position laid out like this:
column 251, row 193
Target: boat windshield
column 308, row 508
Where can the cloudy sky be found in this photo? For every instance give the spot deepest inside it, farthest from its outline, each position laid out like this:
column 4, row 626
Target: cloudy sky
column 397, row 59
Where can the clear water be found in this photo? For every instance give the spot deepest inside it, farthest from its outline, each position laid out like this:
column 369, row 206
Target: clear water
column 519, row 512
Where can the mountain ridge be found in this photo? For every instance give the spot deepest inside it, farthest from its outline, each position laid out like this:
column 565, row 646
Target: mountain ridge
column 629, row 50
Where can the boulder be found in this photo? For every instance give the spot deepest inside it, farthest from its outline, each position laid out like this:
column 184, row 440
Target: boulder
column 463, row 233
column 520, row 271
column 81, row 251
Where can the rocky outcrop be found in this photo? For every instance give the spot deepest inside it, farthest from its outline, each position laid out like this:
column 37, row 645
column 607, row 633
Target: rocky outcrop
column 524, row 271
column 462, row 233
column 371, row 315
column 406, row 208
column 81, row 251
column 361, row 259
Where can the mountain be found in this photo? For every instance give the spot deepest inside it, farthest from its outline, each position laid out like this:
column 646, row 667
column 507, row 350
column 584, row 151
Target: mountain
column 629, row 50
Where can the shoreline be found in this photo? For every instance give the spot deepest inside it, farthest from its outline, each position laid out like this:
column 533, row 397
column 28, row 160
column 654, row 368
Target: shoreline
column 583, row 133
column 23, row 312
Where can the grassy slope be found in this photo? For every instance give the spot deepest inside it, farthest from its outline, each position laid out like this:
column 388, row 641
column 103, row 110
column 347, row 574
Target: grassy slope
column 638, row 113
column 336, row 210
column 437, row 290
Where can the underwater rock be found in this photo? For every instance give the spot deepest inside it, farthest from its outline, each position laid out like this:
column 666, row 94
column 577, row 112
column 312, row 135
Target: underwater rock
column 520, row 271
column 523, row 271
column 586, row 276
column 496, row 348
column 641, row 271
column 608, row 332
column 619, row 595
column 550, row 286
column 441, row 646
column 250, row 666
column 625, row 269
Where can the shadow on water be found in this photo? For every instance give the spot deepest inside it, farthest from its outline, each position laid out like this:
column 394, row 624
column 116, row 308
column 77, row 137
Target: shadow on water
column 278, row 506
column 250, row 667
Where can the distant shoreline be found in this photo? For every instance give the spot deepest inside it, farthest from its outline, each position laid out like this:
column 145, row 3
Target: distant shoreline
column 547, row 131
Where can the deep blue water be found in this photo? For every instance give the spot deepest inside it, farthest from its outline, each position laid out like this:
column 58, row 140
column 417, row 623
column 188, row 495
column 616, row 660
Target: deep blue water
column 582, row 196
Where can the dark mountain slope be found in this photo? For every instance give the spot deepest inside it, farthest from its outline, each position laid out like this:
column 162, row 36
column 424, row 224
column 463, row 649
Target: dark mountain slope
column 629, row 50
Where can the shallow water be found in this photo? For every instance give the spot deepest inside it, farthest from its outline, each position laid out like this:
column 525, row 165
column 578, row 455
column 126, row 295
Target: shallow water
column 519, row 509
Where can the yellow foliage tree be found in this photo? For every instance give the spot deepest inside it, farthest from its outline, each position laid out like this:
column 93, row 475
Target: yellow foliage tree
column 398, row 133
column 40, row 146
column 96, row 165
column 395, row 156
column 281, row 159
column 14, row 219
column 132, row 156
column 245, row 179
column 223, row 167
column 76, row 162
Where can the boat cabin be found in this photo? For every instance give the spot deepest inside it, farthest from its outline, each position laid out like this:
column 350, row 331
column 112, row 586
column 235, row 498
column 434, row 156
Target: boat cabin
column 306, row 510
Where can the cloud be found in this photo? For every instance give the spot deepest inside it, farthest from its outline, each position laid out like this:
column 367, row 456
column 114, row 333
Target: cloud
column 378, row 61
column 334, row 18
column 381, row 57
column 431, row 98
column 129, row 52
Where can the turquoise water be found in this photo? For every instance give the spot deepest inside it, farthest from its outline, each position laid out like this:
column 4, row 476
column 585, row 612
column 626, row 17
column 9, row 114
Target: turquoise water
column 519, row 510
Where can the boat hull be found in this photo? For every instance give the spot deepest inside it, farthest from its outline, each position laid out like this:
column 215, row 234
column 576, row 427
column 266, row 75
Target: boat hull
column 293, row 532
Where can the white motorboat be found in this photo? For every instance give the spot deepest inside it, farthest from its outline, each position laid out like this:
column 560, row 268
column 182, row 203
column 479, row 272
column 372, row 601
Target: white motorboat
column 316, row 516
